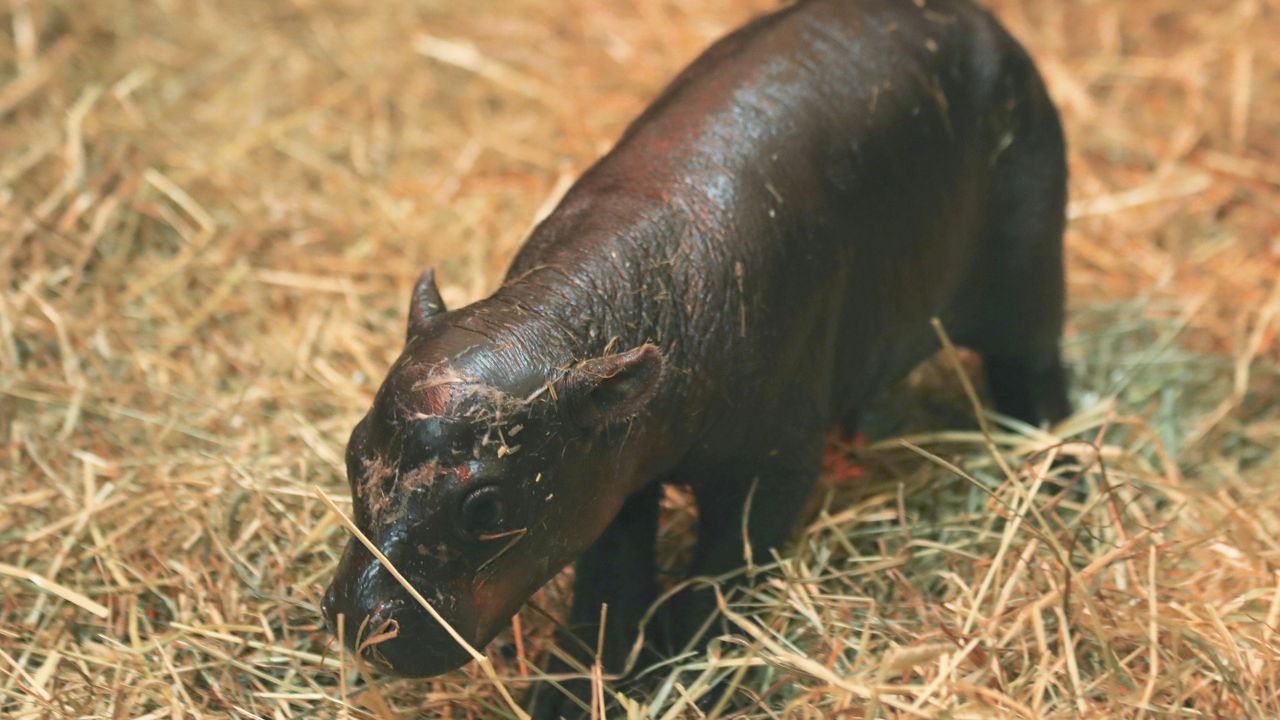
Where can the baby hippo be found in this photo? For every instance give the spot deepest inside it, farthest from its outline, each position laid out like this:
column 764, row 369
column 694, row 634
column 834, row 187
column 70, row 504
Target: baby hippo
column 761, row 253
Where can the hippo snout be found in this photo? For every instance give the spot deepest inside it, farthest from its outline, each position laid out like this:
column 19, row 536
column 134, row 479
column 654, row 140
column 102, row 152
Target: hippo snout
column 371, row 603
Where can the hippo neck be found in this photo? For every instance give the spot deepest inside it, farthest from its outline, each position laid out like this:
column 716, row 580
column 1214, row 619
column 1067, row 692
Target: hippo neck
column 597, row 269
column 591, row 283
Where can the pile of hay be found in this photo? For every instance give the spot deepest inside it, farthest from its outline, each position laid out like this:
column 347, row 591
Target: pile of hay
column 210, row 216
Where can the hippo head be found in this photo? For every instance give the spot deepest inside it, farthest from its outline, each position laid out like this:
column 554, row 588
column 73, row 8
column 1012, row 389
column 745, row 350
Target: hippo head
column 480, row 473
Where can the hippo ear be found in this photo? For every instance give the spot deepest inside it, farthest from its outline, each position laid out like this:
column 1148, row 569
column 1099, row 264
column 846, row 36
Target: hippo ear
column 612, row 388
column 425, row 303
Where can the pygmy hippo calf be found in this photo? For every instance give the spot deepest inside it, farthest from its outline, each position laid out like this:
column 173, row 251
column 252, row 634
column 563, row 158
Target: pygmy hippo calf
column 761, row 252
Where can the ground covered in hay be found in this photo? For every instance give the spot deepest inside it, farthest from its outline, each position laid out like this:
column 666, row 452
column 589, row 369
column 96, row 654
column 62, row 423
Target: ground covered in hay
column 210, row 216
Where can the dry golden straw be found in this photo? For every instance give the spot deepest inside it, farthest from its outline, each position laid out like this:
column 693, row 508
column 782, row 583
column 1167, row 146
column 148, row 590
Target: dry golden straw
column 211, row 215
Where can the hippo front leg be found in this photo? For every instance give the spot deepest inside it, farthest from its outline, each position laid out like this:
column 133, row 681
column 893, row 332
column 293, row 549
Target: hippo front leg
column 775, row 491
column 617, row 572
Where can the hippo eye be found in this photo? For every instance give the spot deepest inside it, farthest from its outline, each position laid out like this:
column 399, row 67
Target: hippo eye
column 484, row 512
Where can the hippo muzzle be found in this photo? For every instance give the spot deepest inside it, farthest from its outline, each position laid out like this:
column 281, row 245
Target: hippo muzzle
column 372, row 602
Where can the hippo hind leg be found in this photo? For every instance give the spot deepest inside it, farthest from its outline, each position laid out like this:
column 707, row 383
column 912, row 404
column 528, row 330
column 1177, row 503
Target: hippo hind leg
column 1029, row 388
column 1020, row 344
column 1020, row 328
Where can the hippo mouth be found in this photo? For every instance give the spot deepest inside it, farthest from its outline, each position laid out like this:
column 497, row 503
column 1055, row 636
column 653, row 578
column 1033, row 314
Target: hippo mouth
column 402, row 639
column 387, row 627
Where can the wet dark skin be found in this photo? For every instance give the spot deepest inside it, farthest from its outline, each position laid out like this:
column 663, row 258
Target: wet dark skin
column 761, row 252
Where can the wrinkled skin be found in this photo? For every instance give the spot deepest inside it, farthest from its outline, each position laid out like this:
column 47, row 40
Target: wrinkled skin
column 760, row 253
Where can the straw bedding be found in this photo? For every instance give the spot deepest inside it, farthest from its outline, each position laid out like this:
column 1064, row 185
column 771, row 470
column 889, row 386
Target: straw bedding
column 210, row 217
